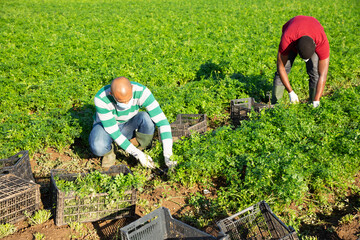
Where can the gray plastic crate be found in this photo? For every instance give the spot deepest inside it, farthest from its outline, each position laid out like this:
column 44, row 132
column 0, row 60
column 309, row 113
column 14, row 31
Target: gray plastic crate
column 71, row 208
column 19, row 165
column 257, row 222
column 160, row 225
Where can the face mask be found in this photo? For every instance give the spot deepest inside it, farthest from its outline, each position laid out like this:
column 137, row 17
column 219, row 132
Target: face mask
column 124, row 106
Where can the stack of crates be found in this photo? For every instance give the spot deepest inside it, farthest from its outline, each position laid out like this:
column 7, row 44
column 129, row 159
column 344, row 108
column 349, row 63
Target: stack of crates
column 160, row 225
column 18, row 191
column 187, row 124
column 71, row 208
column 255, row 223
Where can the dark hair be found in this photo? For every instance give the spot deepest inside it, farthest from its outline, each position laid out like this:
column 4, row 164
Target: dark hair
column 306, row 47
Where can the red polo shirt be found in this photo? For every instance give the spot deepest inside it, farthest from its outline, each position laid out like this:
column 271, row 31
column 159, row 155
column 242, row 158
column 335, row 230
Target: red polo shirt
column 300, row 26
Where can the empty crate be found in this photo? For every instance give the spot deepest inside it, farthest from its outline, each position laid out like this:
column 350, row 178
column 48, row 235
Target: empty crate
column 17, row 195
column 187, row 124
column 71, row 208
column 19, row 165
column 255, row 223
column 160, row 225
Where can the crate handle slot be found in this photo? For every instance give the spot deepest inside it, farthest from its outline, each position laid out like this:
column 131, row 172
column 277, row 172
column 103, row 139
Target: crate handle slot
column 144, row 224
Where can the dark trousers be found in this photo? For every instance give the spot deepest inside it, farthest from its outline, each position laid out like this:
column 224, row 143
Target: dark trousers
column 312, row 69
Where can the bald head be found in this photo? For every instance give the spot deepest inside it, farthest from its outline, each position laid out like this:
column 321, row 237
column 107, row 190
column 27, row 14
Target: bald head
column 121, row 89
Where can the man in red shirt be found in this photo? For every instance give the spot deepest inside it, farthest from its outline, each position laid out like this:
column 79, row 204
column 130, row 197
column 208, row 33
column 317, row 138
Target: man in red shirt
column 305, row 36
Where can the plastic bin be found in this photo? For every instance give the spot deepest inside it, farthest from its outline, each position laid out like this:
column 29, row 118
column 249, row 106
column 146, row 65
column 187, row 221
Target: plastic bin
column 187, row 124
column 17, row 195
column 260, row 106
column 19, row 165
column 71, row 208
column 253, row 223
column 160, row 225
column 239, row 109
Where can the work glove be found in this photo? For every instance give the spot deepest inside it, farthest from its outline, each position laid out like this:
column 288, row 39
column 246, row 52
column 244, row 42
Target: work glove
column 293, row 97
column 169, row 163
column 143, row 158
column 167, row 157
column 316, row 104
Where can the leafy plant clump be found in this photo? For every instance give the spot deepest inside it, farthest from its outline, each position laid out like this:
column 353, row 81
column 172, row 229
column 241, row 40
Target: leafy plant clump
column 39, row 236
column 7, row 229
column 39, row 217
column 97, row 182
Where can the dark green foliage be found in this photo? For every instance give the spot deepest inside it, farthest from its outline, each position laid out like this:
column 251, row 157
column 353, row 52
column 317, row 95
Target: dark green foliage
column 280, row 156
column 195, row 56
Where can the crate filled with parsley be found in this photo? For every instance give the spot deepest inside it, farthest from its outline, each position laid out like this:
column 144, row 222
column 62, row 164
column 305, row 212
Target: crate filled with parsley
column 240, row 108
column 93, row 196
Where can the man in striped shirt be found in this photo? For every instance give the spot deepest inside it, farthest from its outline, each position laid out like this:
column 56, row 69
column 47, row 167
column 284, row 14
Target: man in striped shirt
column 118, row 120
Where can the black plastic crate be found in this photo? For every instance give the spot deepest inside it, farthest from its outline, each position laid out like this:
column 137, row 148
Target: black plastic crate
column 260, row 106
column 19, row 165
column 71, row 208
column 160, row 225
column 255, row 223
column 239, row 109
column 17, row 195
column 187, row 124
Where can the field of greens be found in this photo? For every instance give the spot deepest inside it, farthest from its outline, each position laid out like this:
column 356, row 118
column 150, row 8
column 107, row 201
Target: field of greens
column 195, row 56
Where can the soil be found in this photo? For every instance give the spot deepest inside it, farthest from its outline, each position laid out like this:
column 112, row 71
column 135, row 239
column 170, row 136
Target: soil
column 175, row 199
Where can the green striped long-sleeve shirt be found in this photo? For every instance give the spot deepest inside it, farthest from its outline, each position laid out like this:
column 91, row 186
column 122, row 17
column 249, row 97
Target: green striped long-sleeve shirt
column 110, row 116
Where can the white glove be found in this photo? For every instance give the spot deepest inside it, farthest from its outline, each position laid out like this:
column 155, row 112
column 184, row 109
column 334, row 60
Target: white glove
column 293, row 97
column 167, row 146
column 146, row 160
column 143, row 158
column 316, row 104
column 169, row 163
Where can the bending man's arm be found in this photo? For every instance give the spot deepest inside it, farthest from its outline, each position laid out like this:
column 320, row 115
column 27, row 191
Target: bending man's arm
column 323, row 70
column 281, row 61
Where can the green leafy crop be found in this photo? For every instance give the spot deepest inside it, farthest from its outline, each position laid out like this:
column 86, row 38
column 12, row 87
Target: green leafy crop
column 195, row 57
column 284, row 155
column 97, row 182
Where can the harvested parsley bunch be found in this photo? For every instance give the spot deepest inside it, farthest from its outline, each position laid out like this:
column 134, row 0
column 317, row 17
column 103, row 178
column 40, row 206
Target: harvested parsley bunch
column 97, row 182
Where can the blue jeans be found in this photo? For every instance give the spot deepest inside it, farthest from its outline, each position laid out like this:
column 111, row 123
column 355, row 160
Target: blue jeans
column 100, row 141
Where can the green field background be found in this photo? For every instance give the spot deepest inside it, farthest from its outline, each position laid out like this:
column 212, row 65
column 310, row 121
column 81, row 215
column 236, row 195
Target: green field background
column 195, row 56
